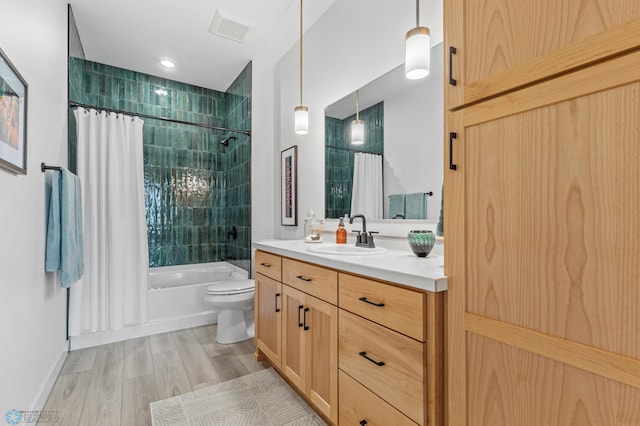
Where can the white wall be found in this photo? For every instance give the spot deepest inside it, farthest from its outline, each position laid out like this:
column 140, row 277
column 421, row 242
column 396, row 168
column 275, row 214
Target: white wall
column 32, row 304
column 413, row 136
column 354, row 42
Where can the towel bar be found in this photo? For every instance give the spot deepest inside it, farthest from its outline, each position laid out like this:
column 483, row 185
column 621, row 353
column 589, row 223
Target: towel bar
column 44, row 167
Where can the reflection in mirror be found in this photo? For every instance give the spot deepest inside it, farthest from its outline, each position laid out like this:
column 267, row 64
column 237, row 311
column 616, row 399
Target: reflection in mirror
column 404, row 123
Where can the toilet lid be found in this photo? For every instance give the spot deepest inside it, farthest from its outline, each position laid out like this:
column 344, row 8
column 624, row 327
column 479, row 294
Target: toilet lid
column 231, row 287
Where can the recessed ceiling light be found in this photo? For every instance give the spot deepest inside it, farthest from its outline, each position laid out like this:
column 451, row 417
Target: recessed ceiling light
column 167, row 63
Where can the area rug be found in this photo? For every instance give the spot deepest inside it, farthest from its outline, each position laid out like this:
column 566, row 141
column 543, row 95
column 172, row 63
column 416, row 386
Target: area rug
column 261, row 398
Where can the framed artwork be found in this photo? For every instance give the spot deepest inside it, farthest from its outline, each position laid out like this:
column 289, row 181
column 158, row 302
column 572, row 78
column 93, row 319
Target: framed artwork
column 289, row 186
column 13, row 118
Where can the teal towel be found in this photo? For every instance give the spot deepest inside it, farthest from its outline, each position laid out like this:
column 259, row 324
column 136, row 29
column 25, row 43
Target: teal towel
column 396, row 205
column 416, row 205
column 64, row 250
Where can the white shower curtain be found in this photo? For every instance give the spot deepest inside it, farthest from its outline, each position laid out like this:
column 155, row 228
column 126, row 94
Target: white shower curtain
column 113, row 290
column 366, row 196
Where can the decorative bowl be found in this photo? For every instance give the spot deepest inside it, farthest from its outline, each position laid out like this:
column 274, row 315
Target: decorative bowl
column 421, row 242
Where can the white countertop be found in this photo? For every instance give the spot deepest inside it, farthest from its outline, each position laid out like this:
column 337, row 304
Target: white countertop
column 398, row 266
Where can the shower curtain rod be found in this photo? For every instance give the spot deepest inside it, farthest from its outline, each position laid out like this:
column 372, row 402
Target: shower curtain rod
column 351, row 150
column 154, row 117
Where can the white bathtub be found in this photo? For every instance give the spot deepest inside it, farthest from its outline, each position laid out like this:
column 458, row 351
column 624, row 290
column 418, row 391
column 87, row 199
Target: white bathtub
column 178, row 291
column 175, row 300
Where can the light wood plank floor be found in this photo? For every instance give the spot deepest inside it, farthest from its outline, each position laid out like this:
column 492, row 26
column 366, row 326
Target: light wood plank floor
column 114, row 384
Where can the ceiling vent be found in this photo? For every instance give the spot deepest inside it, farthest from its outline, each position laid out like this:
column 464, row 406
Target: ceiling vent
column 227, row 28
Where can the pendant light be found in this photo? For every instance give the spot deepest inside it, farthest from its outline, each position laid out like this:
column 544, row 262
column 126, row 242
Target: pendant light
column 417, row 50
column 357, row 125
column 301, row 112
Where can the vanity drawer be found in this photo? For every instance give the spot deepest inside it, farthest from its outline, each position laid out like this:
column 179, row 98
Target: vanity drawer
column 402, row 310
column 269, row 264
column 390, row 364
column 358, row 404
column 314, row 280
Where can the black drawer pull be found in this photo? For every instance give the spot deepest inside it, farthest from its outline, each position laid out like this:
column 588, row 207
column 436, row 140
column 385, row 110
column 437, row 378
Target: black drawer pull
column 452, row 136
column 378, row 363
column 277, row 295
column 364, row 299
column 303, row 278
column 266, row 265
column 300, row 324
column 452, row 51
column 306, row 327
column 363, row 422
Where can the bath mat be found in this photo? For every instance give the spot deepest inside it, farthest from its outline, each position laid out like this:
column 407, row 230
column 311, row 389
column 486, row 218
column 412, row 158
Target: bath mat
column 261, row 398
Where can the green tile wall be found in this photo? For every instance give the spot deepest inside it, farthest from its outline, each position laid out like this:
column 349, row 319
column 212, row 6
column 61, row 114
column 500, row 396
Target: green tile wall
column 238, row 169
column 186, row 169
column 339, row 163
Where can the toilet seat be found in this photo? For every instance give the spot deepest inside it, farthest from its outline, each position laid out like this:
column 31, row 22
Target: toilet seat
column 231, row 287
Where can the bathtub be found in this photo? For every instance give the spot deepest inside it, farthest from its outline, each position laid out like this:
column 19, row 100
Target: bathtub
column 178, row 291
column 175, row 300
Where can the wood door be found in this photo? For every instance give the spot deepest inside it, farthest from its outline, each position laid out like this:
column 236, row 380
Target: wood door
column 321, row 356
column 293, row 363
column 502, row 45
column 542, row 258
column 268, row 318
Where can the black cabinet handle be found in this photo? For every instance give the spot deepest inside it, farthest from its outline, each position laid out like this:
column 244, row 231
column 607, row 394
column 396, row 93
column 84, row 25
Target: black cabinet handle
column 378, row 363
column 303, row 278
column 452, row 51
column 266, row 265
column 452, row 136
column 300, row 324
column 304, row 315
column 363, row 422
column 364, row 299
column 277, row 295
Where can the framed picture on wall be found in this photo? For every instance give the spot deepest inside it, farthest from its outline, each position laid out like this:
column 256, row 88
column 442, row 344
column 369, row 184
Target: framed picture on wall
column 289, row 186
column 13, row 118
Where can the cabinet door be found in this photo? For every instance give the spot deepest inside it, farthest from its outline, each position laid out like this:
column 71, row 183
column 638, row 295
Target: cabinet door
column 544, row 320
column 321, row 356
column 501, row 45
column 293, row 364
column 268, row 317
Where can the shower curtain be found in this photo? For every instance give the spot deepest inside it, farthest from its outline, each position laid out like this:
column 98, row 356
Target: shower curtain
column 113, row 292
column 366, row 196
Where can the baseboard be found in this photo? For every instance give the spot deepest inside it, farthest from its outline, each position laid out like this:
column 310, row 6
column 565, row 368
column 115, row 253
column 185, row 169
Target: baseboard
column 40, row 402
column 147, row 329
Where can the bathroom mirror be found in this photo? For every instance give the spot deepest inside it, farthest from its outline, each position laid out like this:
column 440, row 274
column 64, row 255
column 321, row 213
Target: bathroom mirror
column 404, row 122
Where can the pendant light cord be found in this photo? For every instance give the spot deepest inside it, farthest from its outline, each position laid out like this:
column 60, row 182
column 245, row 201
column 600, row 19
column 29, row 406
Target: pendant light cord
column 300, row 52
column 417, row 13
column 357, row 104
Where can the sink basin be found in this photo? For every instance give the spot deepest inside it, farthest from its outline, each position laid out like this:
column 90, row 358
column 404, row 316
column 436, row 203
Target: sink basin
column 345, row 250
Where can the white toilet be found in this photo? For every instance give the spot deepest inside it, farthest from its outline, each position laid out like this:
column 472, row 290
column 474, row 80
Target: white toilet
column 233, row 301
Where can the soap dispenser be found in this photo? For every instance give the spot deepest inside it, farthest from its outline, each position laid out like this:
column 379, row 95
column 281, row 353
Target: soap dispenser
column 341, row 233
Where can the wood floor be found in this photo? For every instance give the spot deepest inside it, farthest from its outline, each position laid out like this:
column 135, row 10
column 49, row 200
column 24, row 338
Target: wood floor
column 114, row 384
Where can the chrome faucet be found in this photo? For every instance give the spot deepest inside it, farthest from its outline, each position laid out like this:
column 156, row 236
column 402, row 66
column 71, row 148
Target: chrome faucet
column 364, row 238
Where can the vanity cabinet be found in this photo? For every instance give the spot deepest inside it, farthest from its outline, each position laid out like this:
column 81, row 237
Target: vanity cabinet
column 308, row 330
column 268, row 318
column 541, row 215
column 361, row 351
column 391, row 345
column 309, row 341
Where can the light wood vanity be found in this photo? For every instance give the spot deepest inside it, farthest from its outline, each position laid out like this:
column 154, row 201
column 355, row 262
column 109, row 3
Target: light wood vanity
column 360, row 349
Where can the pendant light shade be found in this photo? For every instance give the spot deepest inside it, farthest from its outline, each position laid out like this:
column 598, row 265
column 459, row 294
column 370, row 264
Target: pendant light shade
column 357, row 132
column 417, row 50
column 357, row 125
column 301, row 112
column 301, row 118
